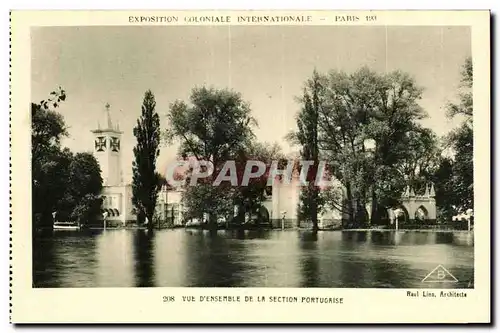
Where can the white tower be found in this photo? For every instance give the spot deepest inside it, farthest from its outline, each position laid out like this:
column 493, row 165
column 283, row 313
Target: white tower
column 107, row 139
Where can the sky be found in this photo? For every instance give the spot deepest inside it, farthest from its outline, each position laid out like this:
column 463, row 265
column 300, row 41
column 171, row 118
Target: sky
column 266, row 64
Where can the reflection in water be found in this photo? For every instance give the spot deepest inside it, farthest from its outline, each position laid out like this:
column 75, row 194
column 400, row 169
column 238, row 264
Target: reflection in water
column 144, row 258
column 184, row 258
column 309, row 264
column 64, row 258
column 114, row 253
column 213, row 260
column 43, row 255
column 170, row 258
column 444, row 238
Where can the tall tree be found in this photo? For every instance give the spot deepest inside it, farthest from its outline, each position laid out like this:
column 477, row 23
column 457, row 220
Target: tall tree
column 463, row 166
column 461, row 140
column 307, row 138
column 213, row 128
column 64, row 183
column 357, row 107
column 445, row 190
column 146, row 181
column 50, row 181
column 49, row 161
column 404, row 150
column 465, row 105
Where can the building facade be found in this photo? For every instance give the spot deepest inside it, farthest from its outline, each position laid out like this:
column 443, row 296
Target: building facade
column 116, row 194
column 283, row 202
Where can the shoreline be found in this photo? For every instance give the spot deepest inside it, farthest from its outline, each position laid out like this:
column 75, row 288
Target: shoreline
column 408, row 230
column 276, row 229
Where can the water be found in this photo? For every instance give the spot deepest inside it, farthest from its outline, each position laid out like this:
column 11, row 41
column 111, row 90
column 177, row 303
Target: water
column 195, row 258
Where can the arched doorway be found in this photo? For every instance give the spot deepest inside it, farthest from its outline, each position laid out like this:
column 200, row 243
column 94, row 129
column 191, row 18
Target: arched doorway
column 401, row 215
column 421, row 215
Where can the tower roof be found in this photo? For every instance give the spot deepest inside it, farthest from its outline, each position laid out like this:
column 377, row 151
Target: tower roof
column 105, row 124
column 108, row 122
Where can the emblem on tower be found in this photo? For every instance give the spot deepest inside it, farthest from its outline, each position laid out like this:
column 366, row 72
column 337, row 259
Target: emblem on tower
column 107, row 137
column 100, row 143
column 115, row 144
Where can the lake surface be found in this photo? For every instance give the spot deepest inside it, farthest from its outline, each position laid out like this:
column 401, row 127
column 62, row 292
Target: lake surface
column 196, row 258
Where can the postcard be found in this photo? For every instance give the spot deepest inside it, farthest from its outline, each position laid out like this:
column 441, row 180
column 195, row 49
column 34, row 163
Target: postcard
column 250, row 167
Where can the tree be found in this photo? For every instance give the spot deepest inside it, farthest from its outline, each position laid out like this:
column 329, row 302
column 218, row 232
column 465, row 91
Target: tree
column 461, row 141
column 405, row 151
column 84, row 175
column 47, row 130
column 82, row 201
column 64, row 183
column 49, row 162
column 307, row 138
column 465, row 106
column 50, row 182
column 87, row 209
column 445, row 191
column 212, row 129
column 361, row 106
column 207, row 199
column 412, row 161
column 216, row 124
column 146, row 181
column 463, row 167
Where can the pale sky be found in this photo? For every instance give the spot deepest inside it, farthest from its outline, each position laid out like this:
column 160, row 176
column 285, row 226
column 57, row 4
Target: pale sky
column 266, row 64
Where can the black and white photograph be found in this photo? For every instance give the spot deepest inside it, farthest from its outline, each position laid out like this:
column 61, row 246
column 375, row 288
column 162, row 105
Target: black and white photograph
column 252, row 156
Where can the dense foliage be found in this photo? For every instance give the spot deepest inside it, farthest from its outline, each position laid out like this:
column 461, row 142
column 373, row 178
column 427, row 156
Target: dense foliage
column 63, row 183
column 341, row 113
column 351, row 109
column 311, row 200
column 456, row 189
column 214, row 128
